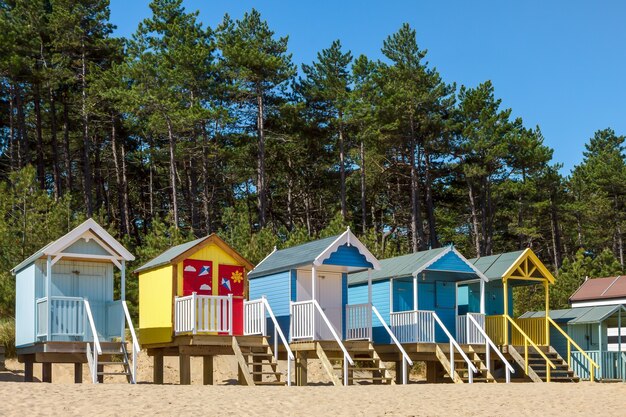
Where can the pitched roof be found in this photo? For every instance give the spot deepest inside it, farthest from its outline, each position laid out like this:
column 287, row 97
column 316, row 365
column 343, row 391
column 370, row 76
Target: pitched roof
column 578, row 315
column 495, row 266
column 601, row 289
column 171, row 254
column 310, row 253
column 89, row 227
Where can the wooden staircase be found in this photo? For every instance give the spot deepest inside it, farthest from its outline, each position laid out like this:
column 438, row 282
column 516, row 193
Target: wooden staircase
column 461, row 369
column 113, row 361
column 368, row 367
column 257, row 363
column 537, row 364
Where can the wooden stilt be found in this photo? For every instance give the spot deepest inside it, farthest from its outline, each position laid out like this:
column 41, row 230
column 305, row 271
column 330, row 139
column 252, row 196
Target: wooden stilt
column 157, row 368
column 78, row 373
column 207, row 370
column 431, row 372
column 185, row 369
column 398, row 372
column 46, row 372
column 101, row 377
column 28, row 370
column 301, row 369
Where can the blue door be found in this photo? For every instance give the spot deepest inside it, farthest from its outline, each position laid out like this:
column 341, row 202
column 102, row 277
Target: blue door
column 426, row 296
column 402, row 295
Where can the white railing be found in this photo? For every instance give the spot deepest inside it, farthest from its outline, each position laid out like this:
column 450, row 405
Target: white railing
column 467, row 332
column 254, row 317
column 471, row 369
column 203, row 313
column 255, row 323
column 490, row 345
column 92, row 358
column 346, row 356
column 302, row 320
column 67, row 317
column 135, row 342
column 359, row 321
column 416, row 326
column 406, row 360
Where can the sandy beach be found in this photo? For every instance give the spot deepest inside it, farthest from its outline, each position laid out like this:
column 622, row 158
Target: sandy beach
column 116, row 398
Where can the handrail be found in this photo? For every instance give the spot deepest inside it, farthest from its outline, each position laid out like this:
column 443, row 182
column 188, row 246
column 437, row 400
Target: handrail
column 406, row 357
column 334, row 333
column 133, row 336
column 279, row 331
column 509, row 367
column 92, row 325
column 526, row 341
column 61, row 297
column 570, row 341
column 453, row 342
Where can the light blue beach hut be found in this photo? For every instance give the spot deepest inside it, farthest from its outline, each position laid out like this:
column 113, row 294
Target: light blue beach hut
column 65, row 307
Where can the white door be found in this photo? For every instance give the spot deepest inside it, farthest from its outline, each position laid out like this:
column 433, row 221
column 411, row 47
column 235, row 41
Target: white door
column 328, row 297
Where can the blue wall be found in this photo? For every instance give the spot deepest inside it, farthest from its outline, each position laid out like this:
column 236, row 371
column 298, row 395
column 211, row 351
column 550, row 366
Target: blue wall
column 380, row 298
column 494, row 298
column 450, row 262
column 278, row 290
column 347, row 256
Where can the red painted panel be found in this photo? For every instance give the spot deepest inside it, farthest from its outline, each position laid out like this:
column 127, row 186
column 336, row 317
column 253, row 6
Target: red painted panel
column 198, row 277
column 231, row 281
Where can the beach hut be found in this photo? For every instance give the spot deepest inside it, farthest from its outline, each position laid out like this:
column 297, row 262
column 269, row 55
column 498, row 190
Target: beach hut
column 306, row 288
column 65, row 307
column 191, row 303
column 525, row 340
column 417, row 296
column 597, row 331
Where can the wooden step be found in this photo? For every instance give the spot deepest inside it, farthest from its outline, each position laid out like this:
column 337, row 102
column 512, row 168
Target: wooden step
column 367, row 378
column 114, row 373
column 266, row 373
column 276, row 383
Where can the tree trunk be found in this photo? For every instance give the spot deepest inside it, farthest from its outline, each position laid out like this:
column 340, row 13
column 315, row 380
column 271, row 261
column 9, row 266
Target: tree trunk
column 12, row 157
column 205, row 180
column 191, row 187
column 290, row 194
column 342, row 170
column 363, row 201
column 87, row 181
column 261, row 191
column 430, row 205
column 125, row 189
column 474, row 216
column 417, row 226
column 66, row 144
column 54, row 146
column 118, row 178
column 556, row 235
column 24, row 151
column 41, row 175
column 172, row 148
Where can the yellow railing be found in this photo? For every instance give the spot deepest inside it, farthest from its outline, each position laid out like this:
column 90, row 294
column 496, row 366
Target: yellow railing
column 592, row 364
column 535, row 328
column 527, row 341
column 494, row 326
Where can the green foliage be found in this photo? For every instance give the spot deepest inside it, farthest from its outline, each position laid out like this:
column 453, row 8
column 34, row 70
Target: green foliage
column 7, row 336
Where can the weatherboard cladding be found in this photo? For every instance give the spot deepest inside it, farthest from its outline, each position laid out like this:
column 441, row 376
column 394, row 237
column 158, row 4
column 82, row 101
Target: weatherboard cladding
column 399, row 266
column 357, row 294
column 276, row 288
column 348, row 256
column 290, row 258
column 168, row 255
column 451, row 262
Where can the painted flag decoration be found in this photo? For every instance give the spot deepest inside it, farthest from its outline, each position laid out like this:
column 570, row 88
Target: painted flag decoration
column 231, row 281
column 198, row 277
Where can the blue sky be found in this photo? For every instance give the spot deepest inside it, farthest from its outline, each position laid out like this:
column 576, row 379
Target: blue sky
column 558, row 64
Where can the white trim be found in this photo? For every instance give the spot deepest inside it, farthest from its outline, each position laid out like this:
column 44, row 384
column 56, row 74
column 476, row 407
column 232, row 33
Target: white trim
column 597, row 303
column 87, row 256
column 98, row 231
column 390, row 295
column 445, row 252
column 347, row 238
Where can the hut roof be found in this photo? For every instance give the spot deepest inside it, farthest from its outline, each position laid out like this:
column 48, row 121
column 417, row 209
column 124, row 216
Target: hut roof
column 578, row 315
column 601, row 289
column 176, row 253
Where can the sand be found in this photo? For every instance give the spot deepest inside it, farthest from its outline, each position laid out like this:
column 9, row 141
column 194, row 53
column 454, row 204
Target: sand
column 115, row 398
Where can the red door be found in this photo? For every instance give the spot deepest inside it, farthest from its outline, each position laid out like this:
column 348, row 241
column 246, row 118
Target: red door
column 231, row 281
column 198, row 277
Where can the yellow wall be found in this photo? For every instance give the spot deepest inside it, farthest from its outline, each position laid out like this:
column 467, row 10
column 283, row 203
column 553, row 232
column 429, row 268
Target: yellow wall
column 155, row 305
column 209, row 253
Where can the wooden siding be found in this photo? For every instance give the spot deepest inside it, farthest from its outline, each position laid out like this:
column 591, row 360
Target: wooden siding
column 450, row 262
column 276, row 288
column 25, row 296
column 155, row 305
column 494, row 298
column 87, row 248
column 357, row 294
column 347, row 256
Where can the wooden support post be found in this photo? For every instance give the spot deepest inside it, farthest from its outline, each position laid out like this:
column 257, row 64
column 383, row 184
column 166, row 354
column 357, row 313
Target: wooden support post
column 46, row 371
column 301, row 369
column 157, row 368
column 184, row 363
column 78, row 373
column 431, row 372
column 257, row 367
column 100, row 377
column 547, row 289
column 399, row 372
column 28, row 370
column 207, row 370
column 506, row 311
